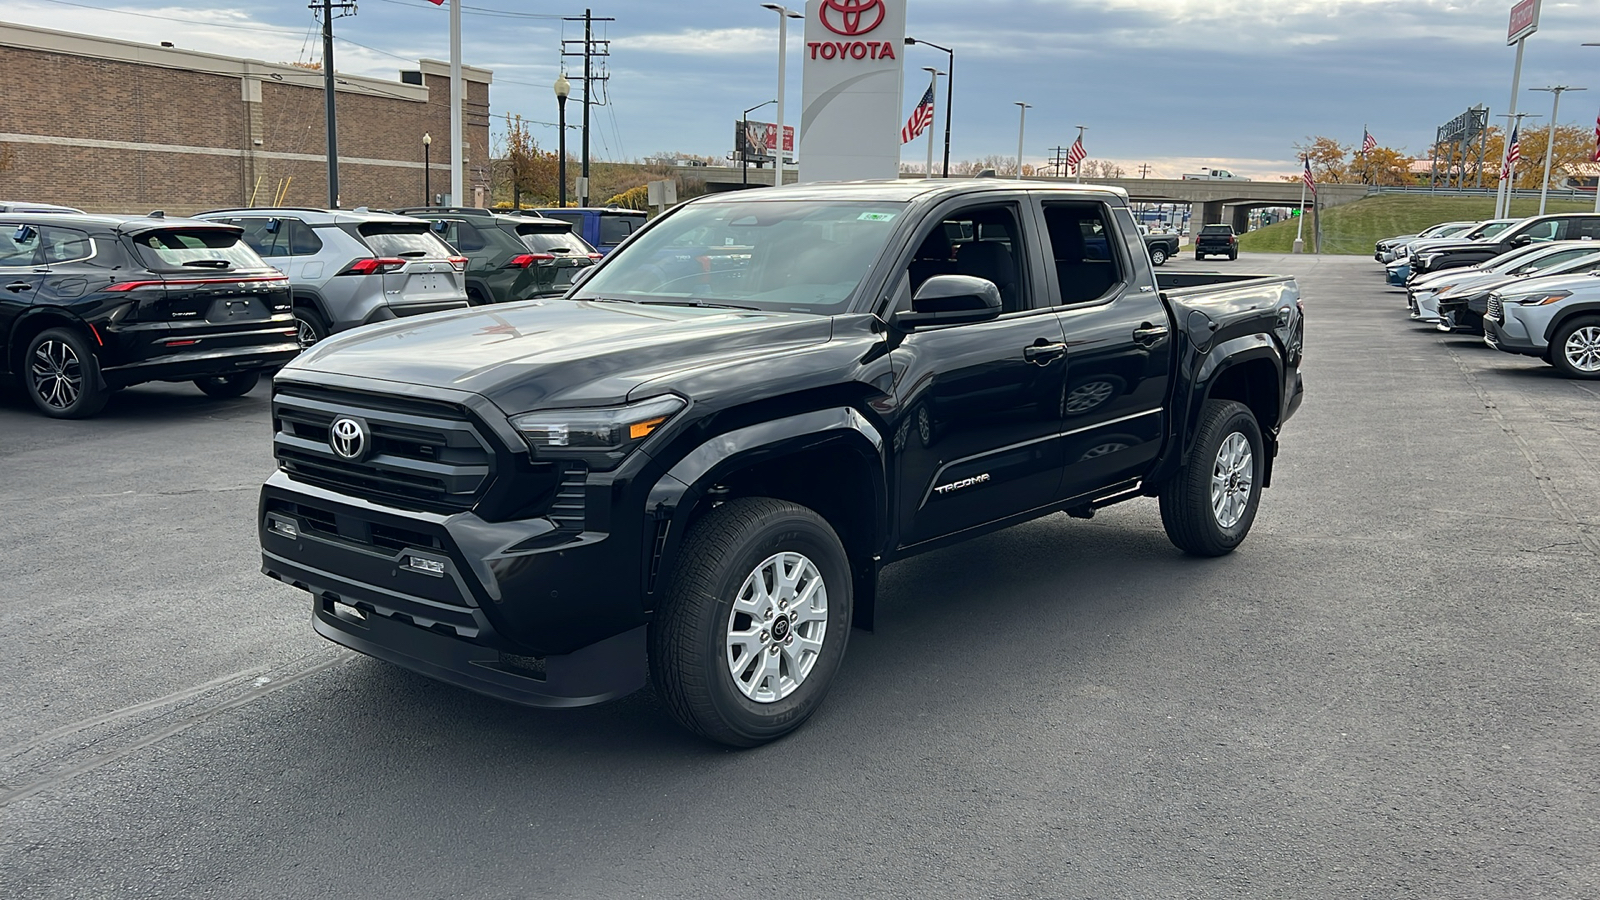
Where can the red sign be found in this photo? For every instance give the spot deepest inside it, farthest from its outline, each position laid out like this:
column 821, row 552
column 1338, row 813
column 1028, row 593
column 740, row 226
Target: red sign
column 1524, row 21
column 760, row 139
column 852, row 17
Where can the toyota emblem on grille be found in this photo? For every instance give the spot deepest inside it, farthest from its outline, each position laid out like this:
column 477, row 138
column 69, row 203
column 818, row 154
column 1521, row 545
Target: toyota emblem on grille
column 348, row 437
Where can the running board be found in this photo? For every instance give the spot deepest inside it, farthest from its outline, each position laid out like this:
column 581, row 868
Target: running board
column 1128, row 490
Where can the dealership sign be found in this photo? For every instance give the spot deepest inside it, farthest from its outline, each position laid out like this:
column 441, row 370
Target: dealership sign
column 1524, row 21
column 850, row 117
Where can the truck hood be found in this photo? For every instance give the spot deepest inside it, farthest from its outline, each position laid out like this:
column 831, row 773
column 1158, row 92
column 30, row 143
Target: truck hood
column 1445, row 245
column 543, row 354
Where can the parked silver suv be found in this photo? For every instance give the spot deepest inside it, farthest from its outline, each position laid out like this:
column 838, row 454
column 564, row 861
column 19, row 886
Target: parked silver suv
column 353, row 267
column 1556, row 319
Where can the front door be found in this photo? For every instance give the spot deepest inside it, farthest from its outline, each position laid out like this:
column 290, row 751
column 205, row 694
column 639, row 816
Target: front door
column 976, row 439
column 22, row 270
column 1119, row 345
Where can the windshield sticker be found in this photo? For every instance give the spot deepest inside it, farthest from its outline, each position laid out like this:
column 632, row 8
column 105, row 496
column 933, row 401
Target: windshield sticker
column 875, row 217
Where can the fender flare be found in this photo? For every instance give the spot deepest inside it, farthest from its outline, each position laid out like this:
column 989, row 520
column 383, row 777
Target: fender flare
column 1566, row 315
column 318, row 305
column 1215, row 361
column 13, row 351
column 674, row 496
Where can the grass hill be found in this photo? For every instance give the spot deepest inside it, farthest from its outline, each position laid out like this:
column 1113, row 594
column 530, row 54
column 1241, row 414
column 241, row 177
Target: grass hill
column 1354, row 227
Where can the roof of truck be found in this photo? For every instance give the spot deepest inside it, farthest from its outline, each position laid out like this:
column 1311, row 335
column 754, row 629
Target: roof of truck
column 908, row 190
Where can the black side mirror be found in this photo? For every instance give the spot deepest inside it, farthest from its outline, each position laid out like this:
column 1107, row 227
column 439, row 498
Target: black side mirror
column 951, row 300
column 582, row 275
column 1522, row 240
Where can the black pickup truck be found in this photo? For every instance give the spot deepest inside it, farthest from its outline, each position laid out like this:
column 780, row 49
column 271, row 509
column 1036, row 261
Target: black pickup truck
column 691, row 468
column 1216, row 240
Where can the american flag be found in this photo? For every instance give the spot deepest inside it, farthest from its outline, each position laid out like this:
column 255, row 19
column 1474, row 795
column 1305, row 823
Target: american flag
column 1305, row 176
column 1368, row 142
column 437, row 2
column 921, row 118
column 1514, row 154
column 1597, row 139
column 1076, row 154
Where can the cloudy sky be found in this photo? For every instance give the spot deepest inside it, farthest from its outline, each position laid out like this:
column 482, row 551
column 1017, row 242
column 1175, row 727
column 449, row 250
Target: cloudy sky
column 1173, row 83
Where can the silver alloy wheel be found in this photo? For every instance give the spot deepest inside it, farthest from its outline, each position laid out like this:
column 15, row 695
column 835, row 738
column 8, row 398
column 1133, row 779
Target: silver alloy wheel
column 304, row 333
column 1158, row 256
column 1232, row 479
column 776, row 628
column 57, row 374
column 1085, row 397
column 1583, row 349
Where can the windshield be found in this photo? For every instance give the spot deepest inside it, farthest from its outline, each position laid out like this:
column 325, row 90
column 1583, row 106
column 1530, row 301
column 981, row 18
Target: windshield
column 1488, row 230
column 790, row 255
column 196, row 249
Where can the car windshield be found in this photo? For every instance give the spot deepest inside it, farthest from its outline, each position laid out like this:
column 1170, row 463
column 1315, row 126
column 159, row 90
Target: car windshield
column 790, row 255
column 196, row 249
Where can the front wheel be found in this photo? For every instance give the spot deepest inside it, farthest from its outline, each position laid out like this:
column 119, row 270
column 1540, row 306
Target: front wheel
column 226, row 387
column 755, row 621
column 1158, row 256
column 1208, row 507
column 1575, row 348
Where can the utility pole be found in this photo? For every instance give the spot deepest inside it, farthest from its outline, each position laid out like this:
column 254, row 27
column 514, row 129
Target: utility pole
column 1057, row 159
column 327, row 8
column 588, row 53
column 1144, row 170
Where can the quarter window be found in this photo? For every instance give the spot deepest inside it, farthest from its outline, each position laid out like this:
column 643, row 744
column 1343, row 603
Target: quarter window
column 63, row 245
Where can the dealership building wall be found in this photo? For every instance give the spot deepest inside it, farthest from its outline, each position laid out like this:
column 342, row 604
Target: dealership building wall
column 114, row 126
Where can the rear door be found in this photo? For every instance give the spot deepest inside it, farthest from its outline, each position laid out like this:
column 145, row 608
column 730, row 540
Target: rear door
column 1119, row 344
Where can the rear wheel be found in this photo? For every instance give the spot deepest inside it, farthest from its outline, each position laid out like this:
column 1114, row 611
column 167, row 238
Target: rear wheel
column 1158, row 255
column 755, row 622
column 62, row 375
column 1575, row 348
column 308, row 326
column 1208, row 508
column 226, row 387
column 476, row 297
column 1233, row 254
column 1199, row 255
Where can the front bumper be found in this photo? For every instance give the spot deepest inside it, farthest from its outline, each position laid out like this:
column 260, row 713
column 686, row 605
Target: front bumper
column 1424, row 306
column 516, row 610
column 1512, row 336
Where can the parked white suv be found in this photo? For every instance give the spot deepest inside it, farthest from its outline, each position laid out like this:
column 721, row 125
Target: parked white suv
column 1556, row 319
column 353, row 267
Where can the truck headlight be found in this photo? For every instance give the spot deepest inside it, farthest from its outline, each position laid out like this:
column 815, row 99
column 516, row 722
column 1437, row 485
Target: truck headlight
column 1539, row 298
column 601, row 437
column 1428, row 259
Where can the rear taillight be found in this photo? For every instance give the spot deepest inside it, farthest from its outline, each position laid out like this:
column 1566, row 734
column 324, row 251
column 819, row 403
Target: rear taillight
column 595, row 256
column 527, row 259
column 377, row 264
column 459, row 263
column 125, row 286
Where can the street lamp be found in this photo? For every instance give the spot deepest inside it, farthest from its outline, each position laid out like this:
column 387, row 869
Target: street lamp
column 427, row 171
column 933, row 86
column 949, row 94
column 563, row 90
column 1597, row 168
column 1550, row 138
column 784, row 15
column 744, row 142
column 1022, row 122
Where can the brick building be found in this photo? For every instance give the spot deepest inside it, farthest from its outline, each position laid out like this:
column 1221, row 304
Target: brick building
column 114, row 126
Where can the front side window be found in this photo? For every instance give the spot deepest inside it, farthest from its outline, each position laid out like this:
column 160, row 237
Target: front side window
column 20, row 245
column 1551, row 260
column 195, row 249
column 792, row 255
column 984, row 242
column 1080, row 244
column 267, row 237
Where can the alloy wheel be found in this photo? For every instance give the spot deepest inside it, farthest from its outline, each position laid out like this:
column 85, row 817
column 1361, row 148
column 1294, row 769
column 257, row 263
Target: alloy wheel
column 777, row 626
column 57, row 374
column 305, row 333
column 1232, row 478
column 1583, row 349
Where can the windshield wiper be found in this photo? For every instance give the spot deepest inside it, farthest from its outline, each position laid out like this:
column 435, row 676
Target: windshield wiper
column 209, row 263
column 700, row 304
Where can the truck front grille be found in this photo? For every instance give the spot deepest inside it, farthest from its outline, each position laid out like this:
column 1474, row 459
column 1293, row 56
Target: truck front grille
column 419, row 453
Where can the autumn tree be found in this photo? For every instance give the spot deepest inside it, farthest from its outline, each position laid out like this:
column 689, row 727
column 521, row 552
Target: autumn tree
column 1382, row 166
column 524, row 167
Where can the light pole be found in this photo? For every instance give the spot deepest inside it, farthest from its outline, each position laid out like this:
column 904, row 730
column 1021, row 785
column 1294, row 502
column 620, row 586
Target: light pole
column 1022, row 123
column 563, row 90
column 784, row 15
column 1550, row 137
column 1597, row 153
column 744, row 142
column 427, row 170
column 933, row 88
column 949, row 95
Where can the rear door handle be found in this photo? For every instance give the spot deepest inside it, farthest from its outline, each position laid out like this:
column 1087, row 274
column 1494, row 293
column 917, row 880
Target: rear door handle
column 1042, row 354
column 16, row 286
column 1149, row 334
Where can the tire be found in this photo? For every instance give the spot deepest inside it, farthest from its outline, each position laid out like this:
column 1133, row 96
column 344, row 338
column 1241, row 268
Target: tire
column 309, row 327
column 1195, row 522
column 1158, row 256
column 1233, row 255
column 1575, row 348
column 476, row 297
column 1198, row 255
column 61, row 375
column 739, row 700
column 226, row 387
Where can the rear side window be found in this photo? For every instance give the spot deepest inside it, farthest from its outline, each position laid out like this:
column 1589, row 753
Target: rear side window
column 1584, row 229
column 464, row 236
column 1080, row 244
column 575, row 219
column 405, row 240
column 554, row 242
column 614, row 229
column 195, row 248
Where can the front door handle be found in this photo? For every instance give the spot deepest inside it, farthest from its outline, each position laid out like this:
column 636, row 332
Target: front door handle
column 17, row 286
column 1042, row 354
column 1149, row 334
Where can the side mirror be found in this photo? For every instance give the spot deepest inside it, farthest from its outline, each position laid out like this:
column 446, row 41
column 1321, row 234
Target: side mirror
column 951, row 300
column 1522, row 240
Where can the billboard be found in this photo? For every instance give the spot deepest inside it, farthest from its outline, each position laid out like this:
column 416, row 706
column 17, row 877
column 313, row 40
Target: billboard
column 759, row 141
column 1524, row 21
column 850, row 115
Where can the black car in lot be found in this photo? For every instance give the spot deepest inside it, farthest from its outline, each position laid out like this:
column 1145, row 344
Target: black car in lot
column 91, row 304
column 1216, row 240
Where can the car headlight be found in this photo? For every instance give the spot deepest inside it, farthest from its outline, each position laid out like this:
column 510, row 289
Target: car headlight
column 1539, row 298
column 601, row 437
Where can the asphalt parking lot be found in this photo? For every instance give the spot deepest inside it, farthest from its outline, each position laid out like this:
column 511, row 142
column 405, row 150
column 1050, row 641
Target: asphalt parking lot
column 1389, row 691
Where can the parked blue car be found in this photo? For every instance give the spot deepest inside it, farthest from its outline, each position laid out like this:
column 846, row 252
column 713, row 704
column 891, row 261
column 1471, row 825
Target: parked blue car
column 603, row 228
column 1396, row 274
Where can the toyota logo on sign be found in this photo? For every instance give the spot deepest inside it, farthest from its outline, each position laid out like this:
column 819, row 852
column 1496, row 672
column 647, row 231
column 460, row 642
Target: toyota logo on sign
column 348, row 437
column 852, row 17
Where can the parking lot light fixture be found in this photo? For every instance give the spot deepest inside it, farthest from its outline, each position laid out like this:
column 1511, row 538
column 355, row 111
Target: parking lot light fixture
column 784, row 15
column 949, row 93
column 744, row 140
column 563, row 89
column 1022, row 122
column 427, row 170
column 1550, row 137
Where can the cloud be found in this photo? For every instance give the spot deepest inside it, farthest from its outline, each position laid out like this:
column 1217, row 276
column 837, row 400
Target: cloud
column 720, row 41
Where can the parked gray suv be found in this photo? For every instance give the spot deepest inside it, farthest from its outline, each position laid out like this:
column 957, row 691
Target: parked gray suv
column 1556, row 319
column 353, row 267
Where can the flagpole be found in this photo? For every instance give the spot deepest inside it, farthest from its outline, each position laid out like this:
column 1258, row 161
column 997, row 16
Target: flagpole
column 933, row 91
column 1077, row 170
column 457, row 179
column 1300, row 220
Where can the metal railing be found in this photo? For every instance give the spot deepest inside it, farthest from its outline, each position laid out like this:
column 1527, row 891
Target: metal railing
column 1481, row 192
